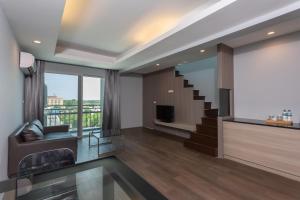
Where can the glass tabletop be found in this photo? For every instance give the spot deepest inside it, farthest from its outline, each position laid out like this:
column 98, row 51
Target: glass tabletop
column 105, row 133
column 96, row 183
column 102, row 179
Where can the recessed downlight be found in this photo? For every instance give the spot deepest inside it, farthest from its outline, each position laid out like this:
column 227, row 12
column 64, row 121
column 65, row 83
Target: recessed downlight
column 37, row 41
column 157, row 64
column 202, row 50
column 271, row 33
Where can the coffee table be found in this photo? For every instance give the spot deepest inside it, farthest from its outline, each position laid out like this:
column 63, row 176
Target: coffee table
column 108, row 179
column 97, row 134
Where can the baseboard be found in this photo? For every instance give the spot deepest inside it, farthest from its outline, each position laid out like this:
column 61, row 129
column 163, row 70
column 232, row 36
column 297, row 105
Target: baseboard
column 124, row 129
column 148, row 127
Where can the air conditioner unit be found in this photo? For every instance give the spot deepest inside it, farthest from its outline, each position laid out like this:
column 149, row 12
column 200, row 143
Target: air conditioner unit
column 27, row 64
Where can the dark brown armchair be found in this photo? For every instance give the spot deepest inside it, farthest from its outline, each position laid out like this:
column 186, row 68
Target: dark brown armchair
column 55, row 137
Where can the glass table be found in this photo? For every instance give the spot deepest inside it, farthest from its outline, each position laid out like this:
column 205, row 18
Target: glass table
column 107, row 179
column 108, row 142
column 100, row 139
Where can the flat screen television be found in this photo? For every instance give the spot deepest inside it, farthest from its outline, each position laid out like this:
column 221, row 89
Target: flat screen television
column 165, row 113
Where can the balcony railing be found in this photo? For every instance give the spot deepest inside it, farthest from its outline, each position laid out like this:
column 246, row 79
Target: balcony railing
column 68, row 115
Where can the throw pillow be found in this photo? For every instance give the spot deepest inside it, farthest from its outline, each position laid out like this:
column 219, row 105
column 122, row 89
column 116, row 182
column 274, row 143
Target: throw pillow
column 32, row 133
column 38, row 124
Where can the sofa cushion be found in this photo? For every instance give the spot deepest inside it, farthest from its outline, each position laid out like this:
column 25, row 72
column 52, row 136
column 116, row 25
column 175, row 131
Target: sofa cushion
column 17, row 134
column 32, row 133
column 57, row 135
column 39, row 124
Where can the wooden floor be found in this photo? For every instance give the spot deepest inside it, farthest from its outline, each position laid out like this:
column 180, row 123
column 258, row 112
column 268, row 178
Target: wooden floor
column 183, row 174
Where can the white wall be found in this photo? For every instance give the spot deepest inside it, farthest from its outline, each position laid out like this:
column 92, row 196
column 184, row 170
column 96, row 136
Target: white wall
column 11, row 90
column 131, row 101
column 267, row 78
column 203, row 75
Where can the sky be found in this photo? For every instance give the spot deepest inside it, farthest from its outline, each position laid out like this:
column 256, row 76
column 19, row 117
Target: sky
column 91, row 88
column 65, row 86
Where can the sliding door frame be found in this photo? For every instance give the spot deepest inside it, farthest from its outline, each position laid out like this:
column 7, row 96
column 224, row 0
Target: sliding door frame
column 80, row 107
column 80, row 102
column 80, row 71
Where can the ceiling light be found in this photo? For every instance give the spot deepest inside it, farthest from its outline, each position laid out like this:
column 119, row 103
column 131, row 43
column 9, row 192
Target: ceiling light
column 37, row 42
column 202, row 50
column 271, row 33
column 157, row 64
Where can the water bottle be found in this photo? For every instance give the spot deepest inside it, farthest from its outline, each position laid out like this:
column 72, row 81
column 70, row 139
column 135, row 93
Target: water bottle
column 289, row 118
column 284, row 115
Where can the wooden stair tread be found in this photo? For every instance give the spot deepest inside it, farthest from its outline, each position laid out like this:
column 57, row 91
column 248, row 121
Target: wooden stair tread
column 210, row 118
column 213, row 134
column 196, row 92
column 201, row 134
column 211, row 112
column 212, row 109
column 208, row 121
column 207, row 105
column 201, row 148
column 204, row 140
column 186, row 84
column 177, row 74
column 201, row 126
column 175, row 125
column 199, row 97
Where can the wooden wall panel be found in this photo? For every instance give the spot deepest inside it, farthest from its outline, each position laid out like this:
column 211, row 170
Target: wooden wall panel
column 270, row 148
column 225, row 66
column 178, row 83
column 148, row 98
column 198, row 111
column 156, row 86
column 225, row 81
column 226, row 73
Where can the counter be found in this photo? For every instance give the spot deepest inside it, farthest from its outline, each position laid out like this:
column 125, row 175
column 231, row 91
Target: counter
column 267, row 147
column 261, row 122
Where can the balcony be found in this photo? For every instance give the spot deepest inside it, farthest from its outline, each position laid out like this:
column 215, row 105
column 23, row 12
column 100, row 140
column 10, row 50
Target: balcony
column 68, row 115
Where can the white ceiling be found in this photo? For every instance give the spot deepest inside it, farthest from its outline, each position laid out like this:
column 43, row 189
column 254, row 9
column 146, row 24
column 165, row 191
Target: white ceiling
column 286, row 24
column 116, row 26
column 187, row 56
column 282, row 25
column 35, row 20
column 131, row 34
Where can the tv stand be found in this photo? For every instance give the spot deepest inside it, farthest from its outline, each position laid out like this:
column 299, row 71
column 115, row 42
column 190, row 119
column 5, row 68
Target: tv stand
column 176, row 125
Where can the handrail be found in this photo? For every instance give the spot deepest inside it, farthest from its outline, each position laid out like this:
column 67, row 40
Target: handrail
column 68, row 114
column 77, row 105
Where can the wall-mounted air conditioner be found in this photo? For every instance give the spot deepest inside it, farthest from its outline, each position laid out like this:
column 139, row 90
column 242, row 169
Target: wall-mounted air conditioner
column 27, row 64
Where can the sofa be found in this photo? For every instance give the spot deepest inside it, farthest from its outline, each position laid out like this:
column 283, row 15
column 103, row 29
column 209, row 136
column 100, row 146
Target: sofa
column 21, row 144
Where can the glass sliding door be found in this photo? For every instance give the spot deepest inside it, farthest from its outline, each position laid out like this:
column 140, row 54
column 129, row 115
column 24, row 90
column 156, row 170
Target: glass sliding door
column 75, row 101
column 61, row 100
column 92, row 102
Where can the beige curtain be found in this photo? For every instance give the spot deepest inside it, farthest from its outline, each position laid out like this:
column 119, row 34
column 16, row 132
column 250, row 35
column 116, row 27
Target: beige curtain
column 34, row 94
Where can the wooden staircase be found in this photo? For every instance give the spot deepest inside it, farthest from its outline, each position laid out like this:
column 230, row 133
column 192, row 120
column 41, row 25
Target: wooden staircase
column 205, row 139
